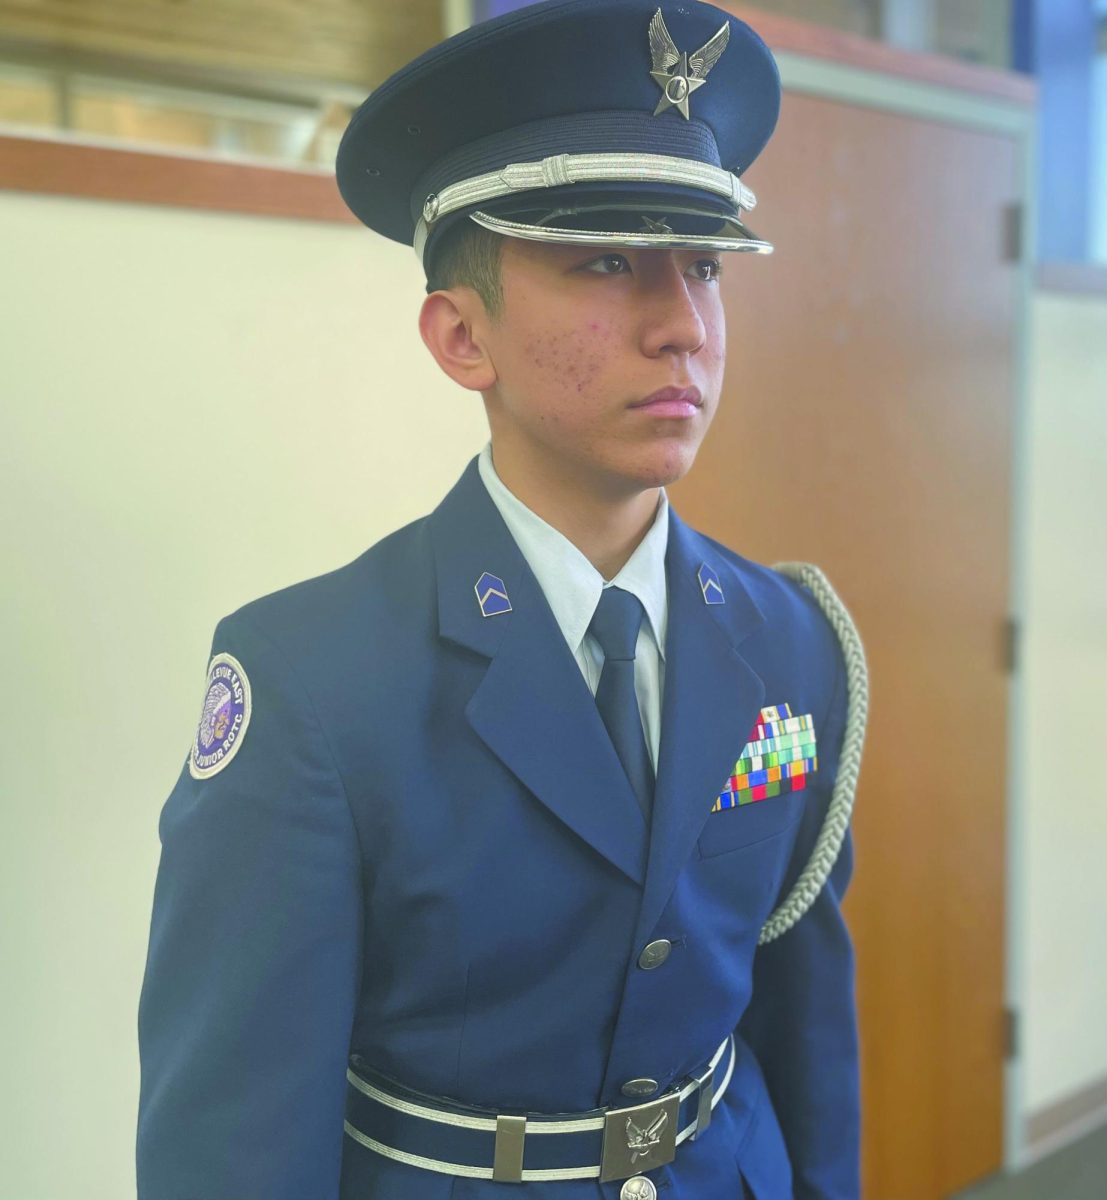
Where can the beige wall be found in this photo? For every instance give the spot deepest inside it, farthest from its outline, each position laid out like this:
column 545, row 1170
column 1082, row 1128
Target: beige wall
column 200, row 408
column 197, row 409
column 1065, row 838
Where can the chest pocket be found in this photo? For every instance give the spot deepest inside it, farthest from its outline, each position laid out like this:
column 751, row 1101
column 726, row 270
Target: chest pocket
column 733, row 828
column 768, row 789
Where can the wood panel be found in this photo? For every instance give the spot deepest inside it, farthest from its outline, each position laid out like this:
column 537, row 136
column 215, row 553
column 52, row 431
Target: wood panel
column 866, row 426
column 97, row 172
column 343, row 41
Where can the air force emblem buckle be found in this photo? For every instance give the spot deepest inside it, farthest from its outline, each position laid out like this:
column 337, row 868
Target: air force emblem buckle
column 492, row 595
column 639, row 1138
column 223, row 718
column 677, row 74
column 710, row 586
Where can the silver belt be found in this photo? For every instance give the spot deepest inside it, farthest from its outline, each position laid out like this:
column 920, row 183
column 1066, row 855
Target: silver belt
column 634, row 1139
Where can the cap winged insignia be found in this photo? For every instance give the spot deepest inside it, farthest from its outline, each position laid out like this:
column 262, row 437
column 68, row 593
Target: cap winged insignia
column 676, row 73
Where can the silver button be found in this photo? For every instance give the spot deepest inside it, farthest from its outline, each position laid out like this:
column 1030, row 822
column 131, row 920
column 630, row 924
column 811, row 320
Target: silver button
column 638, row 1187
column 655, row 954
column 639, row 1087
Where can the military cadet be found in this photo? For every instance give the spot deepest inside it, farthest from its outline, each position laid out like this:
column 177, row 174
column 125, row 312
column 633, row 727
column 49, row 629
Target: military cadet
column 508, row 858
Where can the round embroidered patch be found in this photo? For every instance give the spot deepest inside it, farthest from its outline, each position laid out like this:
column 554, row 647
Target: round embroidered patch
column 224, row 717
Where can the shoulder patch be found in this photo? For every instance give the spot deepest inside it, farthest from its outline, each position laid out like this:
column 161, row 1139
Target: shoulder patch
column 223, row 718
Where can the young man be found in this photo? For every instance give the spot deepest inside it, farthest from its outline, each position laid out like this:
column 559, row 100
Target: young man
column 506, row 857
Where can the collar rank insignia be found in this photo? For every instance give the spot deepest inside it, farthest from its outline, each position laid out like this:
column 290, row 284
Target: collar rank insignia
column 492, row 595
column 710, row 586
column 677, row 74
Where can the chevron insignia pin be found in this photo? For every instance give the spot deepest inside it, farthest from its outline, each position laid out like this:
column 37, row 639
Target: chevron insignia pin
column 710, row 586
column 492, row 595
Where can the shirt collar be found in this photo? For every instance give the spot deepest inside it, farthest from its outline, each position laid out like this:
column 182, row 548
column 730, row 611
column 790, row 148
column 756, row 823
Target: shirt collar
column 571, row 584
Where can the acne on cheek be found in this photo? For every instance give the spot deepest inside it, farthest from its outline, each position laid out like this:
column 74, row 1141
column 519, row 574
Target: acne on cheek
column 575, row 358
column 584, row 365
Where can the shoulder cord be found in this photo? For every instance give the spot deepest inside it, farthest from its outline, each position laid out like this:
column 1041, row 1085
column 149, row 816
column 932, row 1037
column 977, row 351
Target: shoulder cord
column 833, row 833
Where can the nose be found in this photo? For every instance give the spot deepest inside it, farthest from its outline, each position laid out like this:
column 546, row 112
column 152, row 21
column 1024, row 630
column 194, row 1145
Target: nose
column 673, row 324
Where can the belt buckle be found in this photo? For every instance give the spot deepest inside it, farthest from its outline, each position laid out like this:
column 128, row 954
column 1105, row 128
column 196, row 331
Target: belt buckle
column 639, row 1138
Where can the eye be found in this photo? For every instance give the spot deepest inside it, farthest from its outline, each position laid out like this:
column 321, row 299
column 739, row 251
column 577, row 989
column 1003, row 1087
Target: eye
column 714, row 267
column 607, row 260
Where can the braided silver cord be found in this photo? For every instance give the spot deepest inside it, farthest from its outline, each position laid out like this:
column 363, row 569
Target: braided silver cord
column 836, row 822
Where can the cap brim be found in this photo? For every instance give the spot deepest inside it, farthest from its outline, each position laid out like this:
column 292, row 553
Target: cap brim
column 731, row 235
column 641, row 214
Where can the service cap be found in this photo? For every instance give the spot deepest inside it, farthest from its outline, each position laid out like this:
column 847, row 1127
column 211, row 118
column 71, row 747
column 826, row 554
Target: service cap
column 615, row 122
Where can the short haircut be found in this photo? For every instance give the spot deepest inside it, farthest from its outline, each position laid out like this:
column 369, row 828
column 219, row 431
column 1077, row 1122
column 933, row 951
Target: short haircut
column 469, row 255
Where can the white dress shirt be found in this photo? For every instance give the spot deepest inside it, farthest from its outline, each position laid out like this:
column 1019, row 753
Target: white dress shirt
column 572, row 587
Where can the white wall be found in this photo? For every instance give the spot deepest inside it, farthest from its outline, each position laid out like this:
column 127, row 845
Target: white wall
column 199, row 408
column 195, row 409
column 1065, row 843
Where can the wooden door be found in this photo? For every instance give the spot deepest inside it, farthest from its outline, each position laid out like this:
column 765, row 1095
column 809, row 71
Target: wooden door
column 866, row 426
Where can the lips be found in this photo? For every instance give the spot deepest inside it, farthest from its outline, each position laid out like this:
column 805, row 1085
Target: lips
column 689, row 395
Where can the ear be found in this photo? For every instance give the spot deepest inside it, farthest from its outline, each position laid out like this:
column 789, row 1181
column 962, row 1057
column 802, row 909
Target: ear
column 450, row 333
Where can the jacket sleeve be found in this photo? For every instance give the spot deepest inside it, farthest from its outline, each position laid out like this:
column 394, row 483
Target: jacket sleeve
column 252, row 972
column 801, row 1021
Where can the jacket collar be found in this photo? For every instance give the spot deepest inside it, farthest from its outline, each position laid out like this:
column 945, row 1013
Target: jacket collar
column 533, row 702
column 571, row 584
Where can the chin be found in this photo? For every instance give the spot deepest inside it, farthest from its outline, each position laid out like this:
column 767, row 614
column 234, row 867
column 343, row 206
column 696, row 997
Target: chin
column 665, row 464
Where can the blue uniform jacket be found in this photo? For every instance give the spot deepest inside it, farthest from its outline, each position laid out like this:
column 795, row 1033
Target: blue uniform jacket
column 425, row 853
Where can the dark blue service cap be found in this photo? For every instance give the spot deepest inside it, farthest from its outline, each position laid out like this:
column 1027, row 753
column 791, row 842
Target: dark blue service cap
column 614, row 122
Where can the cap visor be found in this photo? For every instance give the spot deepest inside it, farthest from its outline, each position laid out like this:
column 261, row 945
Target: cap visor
column 732, row 234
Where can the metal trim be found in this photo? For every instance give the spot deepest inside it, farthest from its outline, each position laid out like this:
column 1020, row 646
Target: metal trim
column 507, row 1159
column 470, row 1172
column 639, row 1137
column 707, row 1100
column 557, row 170
column 645, row 241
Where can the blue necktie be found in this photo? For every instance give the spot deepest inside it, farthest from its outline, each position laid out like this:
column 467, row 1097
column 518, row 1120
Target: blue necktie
column 615, row 626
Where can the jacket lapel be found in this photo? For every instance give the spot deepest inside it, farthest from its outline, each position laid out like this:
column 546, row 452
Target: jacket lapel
column 532, row 708
column 711, row 700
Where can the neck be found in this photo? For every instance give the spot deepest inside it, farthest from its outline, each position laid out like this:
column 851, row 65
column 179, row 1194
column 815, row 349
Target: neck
column 606, row 527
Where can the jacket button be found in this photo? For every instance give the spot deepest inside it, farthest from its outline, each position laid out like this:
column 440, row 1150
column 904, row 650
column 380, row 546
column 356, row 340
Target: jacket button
column 654, row 955
column 639, row 1087
column 638, row 1187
